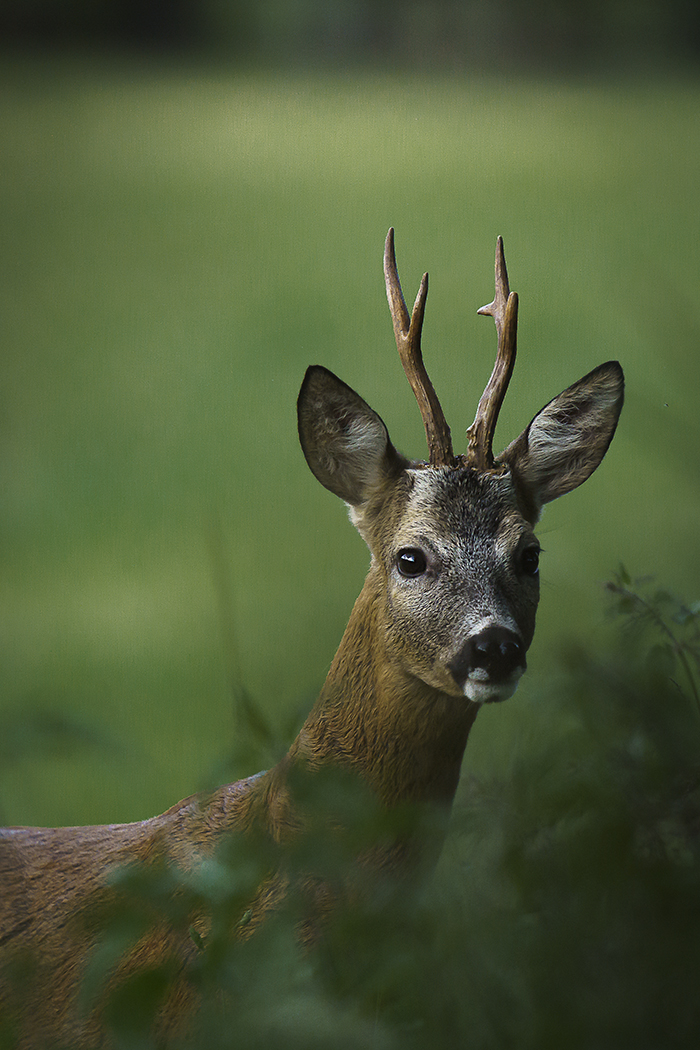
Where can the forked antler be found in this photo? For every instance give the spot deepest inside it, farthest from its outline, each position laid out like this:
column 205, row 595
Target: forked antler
column 408, row 331
column 504, row 310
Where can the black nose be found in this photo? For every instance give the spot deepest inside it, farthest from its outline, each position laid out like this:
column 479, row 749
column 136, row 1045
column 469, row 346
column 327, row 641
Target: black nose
column 496, row 650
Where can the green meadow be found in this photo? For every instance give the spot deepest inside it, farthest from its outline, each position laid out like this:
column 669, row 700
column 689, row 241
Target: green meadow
column 178, row 244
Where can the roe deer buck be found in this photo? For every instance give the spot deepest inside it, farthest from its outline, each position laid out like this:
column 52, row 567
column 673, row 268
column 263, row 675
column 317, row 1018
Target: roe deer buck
column 442, row 625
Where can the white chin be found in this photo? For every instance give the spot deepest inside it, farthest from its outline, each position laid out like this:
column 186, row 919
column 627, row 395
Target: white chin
column 489, row 692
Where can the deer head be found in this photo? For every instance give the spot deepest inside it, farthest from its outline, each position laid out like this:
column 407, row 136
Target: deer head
column 454, row 570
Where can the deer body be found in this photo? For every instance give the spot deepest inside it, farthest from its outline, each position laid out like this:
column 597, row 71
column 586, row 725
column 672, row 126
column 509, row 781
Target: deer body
column 442, row 625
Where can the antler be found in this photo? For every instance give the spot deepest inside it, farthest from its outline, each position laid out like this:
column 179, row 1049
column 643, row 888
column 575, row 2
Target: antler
column 408, row 332
column 504, row 310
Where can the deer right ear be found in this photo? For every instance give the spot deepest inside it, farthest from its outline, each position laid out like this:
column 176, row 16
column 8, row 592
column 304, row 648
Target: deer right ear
column 345, row 442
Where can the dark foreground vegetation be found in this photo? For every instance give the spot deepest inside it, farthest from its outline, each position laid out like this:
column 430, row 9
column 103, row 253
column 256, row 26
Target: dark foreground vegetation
column 564, row 913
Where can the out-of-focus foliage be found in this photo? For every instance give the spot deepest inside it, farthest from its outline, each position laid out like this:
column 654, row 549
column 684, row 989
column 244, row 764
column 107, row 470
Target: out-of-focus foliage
column 673, row 626
column 455, row 33
column 40, row 729
column 565, row 910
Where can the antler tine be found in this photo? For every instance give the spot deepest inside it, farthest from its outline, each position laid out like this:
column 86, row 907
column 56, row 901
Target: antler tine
column 407, row 331
column 504, row 310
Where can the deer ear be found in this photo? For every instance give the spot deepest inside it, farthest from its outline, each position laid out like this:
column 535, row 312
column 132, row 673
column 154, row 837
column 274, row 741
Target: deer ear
column 345, row 442
column 567, row 440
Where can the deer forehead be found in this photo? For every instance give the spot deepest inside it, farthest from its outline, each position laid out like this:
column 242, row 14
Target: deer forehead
column 462, row 508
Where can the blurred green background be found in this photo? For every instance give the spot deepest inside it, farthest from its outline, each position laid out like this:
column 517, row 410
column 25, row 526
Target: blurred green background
column 193, row 210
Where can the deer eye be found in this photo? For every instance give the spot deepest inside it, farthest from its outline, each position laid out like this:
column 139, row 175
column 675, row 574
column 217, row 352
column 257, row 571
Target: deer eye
column 411, row 562
column 530, row 561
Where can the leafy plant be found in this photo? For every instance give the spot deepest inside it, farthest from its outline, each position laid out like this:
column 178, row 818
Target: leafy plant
column 653, row 610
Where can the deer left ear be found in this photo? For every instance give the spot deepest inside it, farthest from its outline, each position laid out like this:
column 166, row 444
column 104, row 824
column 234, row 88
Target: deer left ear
column 345, row 442
column 567, row 440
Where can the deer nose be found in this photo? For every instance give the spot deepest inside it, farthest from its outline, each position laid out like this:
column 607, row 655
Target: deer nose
column 495, row 651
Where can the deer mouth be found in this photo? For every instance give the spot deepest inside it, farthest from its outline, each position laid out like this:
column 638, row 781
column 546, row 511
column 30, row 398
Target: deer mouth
column 482, row 689
column 490, row 664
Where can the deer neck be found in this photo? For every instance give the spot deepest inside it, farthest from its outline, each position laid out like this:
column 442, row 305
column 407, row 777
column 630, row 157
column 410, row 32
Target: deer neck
column 405, row 738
